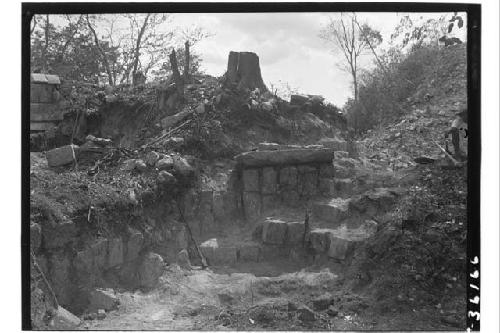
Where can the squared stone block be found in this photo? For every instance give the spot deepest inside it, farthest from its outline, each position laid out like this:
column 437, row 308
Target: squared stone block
column 270, row 202
column 308, row 182
column 225, row 256
column 290, row 198
column 339, row 247
column 61, row 156
column 251, row 180
column 273, row 252
column 269, row 180
column 319, row 240
column 295, row 232
column 274, row 232
column 326, row 170
column 333, row 211
column 100, row 252
column 288, row 178
column 252, row 205
column 249, row 252
column 115, row 252
column 134, row 244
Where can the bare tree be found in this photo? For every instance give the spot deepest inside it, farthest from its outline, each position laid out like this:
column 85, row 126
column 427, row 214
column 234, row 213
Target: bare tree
column 147, row 45
column 104, row 57
column 346, row 35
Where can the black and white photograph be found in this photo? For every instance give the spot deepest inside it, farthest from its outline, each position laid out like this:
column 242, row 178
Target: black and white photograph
column 268, row 167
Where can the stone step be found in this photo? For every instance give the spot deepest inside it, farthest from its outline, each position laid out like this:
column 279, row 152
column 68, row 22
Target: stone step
column 332, row 212
column 350, row 211
column 340, row 242
column 337, row 188
column 274, row 231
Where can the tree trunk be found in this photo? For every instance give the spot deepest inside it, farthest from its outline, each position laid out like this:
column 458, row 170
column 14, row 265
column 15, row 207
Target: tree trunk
column 46, row 46
column 137, row 52
column 243, row 71
column 102, row 53
column 186, row 61
column 179, row 84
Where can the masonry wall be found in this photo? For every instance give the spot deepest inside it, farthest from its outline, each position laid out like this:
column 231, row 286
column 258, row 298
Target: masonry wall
column 265, row 189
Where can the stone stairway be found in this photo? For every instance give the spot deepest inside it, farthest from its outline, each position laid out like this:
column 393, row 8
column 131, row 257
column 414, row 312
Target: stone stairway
column 342, row 216
column 338, row 223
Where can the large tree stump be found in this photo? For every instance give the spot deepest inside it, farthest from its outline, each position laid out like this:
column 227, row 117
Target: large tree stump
column 243, row 70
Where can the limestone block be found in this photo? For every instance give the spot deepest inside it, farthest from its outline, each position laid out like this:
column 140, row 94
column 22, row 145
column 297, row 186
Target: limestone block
column 251, row 180
column 274, row 232
column 269, row 180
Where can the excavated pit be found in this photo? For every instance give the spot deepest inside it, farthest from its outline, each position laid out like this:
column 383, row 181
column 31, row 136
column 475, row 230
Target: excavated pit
column 274, row 222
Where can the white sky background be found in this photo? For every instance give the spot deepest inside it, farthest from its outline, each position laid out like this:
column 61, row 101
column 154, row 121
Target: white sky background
column 288, row 46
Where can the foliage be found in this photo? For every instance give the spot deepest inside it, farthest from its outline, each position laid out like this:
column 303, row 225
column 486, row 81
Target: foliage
column 70, row 51
column 117, row 49
column 398, row 71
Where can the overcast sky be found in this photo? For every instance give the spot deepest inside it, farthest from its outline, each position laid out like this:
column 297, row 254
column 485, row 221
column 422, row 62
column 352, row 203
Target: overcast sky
column 288, row 47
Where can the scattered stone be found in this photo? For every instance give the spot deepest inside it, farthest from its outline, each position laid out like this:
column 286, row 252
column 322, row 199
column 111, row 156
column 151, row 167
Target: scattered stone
column 298, row 99
column 128, row 165
column 151, row 158
column 267, row 106
column 140, row 165
column 306, row 314
column 292, row 306
column 182, row 166
column 332, row 311
column 174, row 142
column 183, row 259
column 35, row 235
column 165, row 177
column 316, row 99
column 274, row 232
column 64, row 320
column 170, row 121
column 150, row 270
column 101, row 314
column 61, row 156
column 166, row 163
column 200, row 108
column 322, row 302
column 102, row 299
